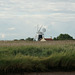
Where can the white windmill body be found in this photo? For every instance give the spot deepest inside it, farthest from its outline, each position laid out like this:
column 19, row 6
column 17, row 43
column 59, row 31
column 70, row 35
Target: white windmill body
column 40, row 34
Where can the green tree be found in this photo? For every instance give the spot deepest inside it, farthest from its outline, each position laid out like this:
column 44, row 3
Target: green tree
column 55, row 38
column 21, row 39
column 64, row 37
column 29, row 39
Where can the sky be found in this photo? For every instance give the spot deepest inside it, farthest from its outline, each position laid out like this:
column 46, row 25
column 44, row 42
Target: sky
column 19, row 18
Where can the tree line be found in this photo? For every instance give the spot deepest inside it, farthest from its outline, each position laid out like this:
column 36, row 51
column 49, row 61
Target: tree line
column 60, row 37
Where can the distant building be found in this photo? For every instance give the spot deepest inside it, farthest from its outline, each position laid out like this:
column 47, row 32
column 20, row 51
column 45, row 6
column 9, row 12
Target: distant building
column 43, row 39
column 46, row 39
column 40, row 33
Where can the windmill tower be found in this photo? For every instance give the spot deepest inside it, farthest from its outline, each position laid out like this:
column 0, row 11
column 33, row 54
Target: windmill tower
column 40, row 33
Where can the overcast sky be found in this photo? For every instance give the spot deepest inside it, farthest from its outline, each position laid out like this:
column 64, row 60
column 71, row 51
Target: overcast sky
column 19, row 18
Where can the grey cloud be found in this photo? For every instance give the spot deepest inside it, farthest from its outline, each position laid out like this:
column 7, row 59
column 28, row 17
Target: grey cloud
column 57, row 15
column 37, row 7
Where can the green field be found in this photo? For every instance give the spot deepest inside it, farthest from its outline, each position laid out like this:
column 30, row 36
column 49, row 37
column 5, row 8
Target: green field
column 22, row 56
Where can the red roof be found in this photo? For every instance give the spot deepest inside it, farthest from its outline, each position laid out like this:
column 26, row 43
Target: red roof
column 48, row 39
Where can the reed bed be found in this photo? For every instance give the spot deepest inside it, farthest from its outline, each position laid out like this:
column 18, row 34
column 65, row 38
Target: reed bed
column 24, row 56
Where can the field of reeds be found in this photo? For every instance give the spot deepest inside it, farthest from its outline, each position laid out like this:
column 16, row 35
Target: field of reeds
column 22, row 56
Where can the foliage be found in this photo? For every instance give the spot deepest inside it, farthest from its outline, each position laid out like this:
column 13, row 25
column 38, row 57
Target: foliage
column 64, row 37
column 29, row 39
column 21, row 39
column 55, row 38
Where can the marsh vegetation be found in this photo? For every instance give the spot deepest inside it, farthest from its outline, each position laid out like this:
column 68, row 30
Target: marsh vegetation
column 22, row 56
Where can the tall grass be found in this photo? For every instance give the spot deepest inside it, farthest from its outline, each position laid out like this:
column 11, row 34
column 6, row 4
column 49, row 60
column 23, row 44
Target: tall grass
column 24, row 56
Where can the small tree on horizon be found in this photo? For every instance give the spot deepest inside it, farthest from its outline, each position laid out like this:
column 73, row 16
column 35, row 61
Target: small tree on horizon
column 29, row 39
